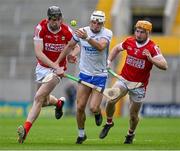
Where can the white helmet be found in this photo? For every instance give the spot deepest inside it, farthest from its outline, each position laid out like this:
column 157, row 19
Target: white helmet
column 98, row 16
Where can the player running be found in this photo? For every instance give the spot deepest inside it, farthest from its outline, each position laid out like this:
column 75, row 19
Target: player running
column 50, row 37
column 142, row 54
column 94, row 43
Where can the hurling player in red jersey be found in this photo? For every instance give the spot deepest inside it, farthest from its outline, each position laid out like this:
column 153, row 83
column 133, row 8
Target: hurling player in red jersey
column 142, row 54
column 50, row 37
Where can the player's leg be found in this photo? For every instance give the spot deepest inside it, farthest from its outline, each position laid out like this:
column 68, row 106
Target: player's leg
column 83, row 93
column 136, row 97
column 133, row 121
column 42, row 72
column 110, row 109
column 41, row 95
column 59, row 103
column 95, row 102
column 96, row 98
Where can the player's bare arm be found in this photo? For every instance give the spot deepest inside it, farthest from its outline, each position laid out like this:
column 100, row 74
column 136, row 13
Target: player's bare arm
column 114, row 52
column 72, row 57
column 68, row 48
column 38, row 48
column 99, row 45
column 76, row 50
column 159, row 61
column 60, row 71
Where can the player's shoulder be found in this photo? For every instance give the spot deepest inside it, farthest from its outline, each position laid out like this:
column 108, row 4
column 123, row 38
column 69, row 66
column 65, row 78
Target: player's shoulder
column 44, row 21
column 107, row 31
column 151, row 44
column 66, row 28
column 131, row 38
column 153, row 47
column 42, row 24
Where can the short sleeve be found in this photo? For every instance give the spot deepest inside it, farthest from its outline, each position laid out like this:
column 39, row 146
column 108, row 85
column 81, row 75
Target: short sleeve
column 76, row 38
column 123, row 45
column 38, row 33
column 156, row 51
column 108, row 35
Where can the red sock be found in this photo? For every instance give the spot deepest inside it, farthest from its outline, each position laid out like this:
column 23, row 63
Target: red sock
column 27, row 126
column 59, row 103
column 109, row 120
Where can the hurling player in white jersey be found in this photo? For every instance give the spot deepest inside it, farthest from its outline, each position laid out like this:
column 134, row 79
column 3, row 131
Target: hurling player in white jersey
column 94, row 43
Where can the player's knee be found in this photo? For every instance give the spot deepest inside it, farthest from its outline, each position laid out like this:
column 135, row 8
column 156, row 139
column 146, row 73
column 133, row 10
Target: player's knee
column 80, row 108
column 94, row 109
column 39, row 98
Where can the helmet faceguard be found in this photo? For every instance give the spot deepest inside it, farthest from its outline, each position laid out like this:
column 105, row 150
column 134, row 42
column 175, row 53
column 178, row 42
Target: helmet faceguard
column 144, row 25
column 98, row 16
column 54, row 12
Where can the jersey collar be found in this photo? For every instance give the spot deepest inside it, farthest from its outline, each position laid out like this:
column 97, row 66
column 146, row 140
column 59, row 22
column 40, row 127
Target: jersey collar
column 141, row 45
column 54, row 32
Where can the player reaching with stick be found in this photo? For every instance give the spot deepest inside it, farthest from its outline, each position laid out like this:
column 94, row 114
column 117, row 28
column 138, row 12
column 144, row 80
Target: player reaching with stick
column 142, row 54
column 94, row 43
column 50, row 37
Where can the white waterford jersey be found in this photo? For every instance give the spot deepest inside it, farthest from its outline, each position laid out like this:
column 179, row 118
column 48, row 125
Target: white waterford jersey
column 92, row 61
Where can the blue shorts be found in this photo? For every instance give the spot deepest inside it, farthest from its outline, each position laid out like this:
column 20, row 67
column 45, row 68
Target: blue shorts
column 99, row 81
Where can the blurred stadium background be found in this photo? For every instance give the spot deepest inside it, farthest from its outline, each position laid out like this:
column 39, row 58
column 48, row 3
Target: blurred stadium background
column 17, row 60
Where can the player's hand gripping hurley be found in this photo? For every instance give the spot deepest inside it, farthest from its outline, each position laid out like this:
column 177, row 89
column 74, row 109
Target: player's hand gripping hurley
column 110, row 93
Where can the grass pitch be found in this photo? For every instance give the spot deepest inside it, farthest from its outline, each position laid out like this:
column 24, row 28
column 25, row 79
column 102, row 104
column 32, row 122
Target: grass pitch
column 52, row 134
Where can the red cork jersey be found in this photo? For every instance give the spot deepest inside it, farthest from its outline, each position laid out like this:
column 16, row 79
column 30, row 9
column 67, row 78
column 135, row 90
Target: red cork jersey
column 137, row 67
column 53, row 43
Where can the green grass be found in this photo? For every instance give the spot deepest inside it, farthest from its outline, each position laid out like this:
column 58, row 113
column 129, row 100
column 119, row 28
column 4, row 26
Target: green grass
column 51, row 134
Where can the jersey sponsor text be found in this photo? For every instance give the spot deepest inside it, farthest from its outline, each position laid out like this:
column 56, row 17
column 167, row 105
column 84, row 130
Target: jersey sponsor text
column 135, row 62
column 54, row 47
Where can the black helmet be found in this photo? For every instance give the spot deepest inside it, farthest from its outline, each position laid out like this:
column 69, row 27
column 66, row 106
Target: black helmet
column 54, row 12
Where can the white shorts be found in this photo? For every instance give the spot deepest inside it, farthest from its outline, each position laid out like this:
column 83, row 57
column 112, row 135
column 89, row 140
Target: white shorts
column 41, row 72
column 136, row 94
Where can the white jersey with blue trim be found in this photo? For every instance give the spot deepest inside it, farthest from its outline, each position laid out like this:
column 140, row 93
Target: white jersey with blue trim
column 92, row 61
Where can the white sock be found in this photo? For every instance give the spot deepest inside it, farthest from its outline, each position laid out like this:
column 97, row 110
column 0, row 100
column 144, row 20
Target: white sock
column 81, row 132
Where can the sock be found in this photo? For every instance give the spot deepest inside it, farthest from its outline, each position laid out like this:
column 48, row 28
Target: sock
column 109, row 120
column 130, row 132
column 59, row 103
column 27, row 126
column 81, row 132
